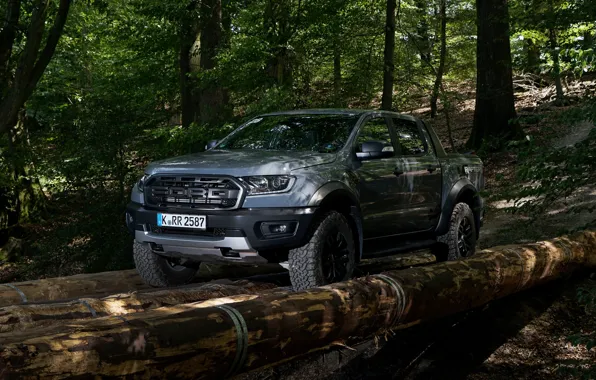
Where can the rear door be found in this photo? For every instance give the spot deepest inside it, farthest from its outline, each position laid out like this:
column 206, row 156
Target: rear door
column 419, row 174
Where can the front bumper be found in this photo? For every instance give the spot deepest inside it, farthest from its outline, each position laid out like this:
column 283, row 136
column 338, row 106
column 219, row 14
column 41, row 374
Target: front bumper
column 233, row 235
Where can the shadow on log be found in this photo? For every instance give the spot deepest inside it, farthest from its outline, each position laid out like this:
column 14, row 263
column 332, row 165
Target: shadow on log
column 199, row 341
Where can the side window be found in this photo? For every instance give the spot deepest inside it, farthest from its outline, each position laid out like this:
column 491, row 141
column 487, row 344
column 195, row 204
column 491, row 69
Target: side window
column 375, row 129
column 410, row 139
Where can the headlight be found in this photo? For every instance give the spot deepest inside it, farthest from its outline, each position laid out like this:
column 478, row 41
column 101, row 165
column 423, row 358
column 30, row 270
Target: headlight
column 268, row 184
column 141, row 183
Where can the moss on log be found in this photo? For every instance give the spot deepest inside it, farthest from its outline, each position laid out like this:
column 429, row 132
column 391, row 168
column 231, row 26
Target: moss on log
column 20, row 317
column 199, row 341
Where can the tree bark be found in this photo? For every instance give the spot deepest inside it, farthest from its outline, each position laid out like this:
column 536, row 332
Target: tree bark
column 107, row 283
column 495, row 117
column 61, row 288
column 24, row 317
column 337, row 74
column 195, row 341
column 7, row 36
column 211, row 95
column 533, row 52
column 443, row 55
column 422, row 31
column 554, row 48
column 32, row 62
column 389, row 66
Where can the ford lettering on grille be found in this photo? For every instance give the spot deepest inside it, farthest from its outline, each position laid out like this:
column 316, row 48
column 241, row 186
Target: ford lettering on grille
column 193, row 192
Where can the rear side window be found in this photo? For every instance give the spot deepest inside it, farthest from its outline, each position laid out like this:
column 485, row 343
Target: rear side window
column 410, row 139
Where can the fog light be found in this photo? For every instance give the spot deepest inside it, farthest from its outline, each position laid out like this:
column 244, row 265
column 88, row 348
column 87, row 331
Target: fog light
column 278, row 229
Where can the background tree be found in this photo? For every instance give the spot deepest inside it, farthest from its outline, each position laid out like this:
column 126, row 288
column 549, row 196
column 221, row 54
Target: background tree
column 389, row 65
column 494, row 115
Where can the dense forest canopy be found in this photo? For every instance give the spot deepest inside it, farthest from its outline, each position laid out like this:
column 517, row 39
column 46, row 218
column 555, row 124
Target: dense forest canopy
column 90, row 90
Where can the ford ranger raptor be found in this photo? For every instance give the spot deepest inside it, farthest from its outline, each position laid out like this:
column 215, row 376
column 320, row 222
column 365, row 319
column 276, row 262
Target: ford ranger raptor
column 314, row 190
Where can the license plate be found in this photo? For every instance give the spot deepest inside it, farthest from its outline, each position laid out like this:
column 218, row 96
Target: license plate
column 182, row 221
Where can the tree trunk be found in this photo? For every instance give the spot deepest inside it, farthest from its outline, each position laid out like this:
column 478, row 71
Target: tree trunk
column 495, row 117
column 422, row 31
column 337, row 74
column 554, row 48
column 186, row 82
column 279, row 29
column 211, row 95
column 389, row 66
column 7, row 36
column 24, row 317
column 193, row 341
column 106, row 283
column 61, row 288
column 30, row 199
column 533, row 52
column 32, row 62
column 443, row 55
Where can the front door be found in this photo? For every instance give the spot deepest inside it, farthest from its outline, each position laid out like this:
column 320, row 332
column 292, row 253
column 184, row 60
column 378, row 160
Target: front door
column 379, row 186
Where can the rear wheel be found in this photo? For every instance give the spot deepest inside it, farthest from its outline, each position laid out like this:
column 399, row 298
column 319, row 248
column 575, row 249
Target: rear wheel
column 160, row 271
column 460, row 239
column 328, row 257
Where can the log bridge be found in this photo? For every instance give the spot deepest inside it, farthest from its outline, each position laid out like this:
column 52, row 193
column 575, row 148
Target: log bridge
column 214, row 333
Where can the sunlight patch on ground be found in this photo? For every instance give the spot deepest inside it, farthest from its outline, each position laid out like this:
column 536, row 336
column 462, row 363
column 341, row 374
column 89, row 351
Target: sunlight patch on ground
column 502, row 204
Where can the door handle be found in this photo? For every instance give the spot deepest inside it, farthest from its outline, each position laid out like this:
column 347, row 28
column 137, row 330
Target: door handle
column 431, row 168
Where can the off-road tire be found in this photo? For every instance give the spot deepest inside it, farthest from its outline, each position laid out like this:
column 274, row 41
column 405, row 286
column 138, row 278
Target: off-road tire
column 305, row 263
column 156, row 271
column 449, row 240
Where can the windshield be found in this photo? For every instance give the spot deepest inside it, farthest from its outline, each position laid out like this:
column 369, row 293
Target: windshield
column 318, row 133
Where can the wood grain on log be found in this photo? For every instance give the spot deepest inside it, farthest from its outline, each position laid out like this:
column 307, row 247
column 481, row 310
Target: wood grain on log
column 199, row 341
column 107, row 283
column 20, row 317
column 59, row 288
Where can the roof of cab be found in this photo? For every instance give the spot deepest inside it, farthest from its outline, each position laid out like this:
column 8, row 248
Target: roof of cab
column 336, row 111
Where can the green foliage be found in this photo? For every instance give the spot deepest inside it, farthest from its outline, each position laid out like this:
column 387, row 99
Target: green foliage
column 547, row 175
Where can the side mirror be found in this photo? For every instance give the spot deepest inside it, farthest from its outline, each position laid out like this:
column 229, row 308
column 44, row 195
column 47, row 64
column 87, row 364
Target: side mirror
column 371, row 150
column 211, row 144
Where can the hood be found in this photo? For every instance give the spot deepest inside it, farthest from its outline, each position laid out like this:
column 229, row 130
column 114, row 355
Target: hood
column 240, row 162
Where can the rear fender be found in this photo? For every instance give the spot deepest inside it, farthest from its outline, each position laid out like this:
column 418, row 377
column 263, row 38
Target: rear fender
column 463, row 191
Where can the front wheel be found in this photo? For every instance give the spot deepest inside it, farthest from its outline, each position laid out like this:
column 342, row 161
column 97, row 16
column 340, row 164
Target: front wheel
column 160, row 271
column 460, row 239
column 328, row 257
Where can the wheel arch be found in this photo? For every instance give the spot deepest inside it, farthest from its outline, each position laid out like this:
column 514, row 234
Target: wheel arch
column 337, row 196
column 463, row 191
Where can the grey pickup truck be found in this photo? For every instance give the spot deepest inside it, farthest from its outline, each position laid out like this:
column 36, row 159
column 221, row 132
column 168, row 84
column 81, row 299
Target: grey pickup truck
column 313, row 190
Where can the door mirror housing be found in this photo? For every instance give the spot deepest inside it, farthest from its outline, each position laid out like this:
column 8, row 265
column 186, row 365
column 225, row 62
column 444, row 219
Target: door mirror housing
column 371, row 150
column 211, row 144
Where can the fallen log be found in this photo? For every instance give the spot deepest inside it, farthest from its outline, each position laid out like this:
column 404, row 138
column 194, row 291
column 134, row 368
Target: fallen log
column 204, row 342
column 107, row 283
column 59, row 288
column 21, row 317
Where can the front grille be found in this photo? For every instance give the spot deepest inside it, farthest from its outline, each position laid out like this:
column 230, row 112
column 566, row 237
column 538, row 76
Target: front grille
column 193, row 192
column 209, row 232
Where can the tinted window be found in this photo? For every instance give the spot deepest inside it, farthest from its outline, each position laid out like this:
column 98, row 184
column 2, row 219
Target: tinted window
column 375, row 129
column 410, row 139
column 319, row 133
